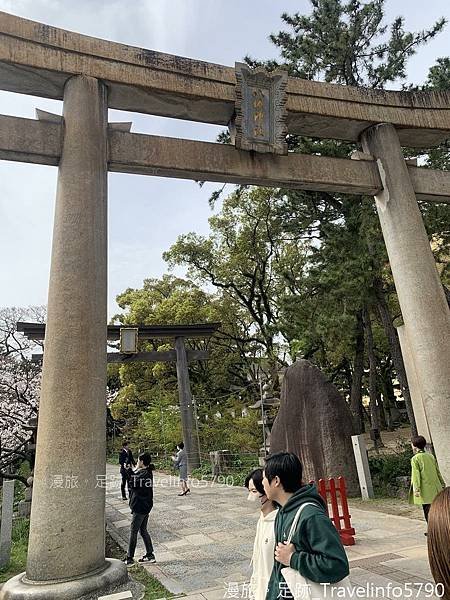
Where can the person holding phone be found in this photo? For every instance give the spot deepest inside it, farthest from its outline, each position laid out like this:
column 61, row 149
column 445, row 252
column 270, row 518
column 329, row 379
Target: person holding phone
column 141, row 503
column 126, row 462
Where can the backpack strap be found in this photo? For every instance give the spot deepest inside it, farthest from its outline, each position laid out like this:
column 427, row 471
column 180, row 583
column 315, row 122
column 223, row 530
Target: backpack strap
column 296, row 518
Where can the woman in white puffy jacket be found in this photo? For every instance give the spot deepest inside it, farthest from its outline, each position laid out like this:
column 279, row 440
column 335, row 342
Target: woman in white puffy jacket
column 264, row 546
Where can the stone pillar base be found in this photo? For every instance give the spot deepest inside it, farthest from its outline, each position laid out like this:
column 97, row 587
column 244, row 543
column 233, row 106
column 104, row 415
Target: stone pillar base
column 114, row 578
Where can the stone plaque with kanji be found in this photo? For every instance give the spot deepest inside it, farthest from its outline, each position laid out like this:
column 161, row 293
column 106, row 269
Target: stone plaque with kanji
column 260, row 120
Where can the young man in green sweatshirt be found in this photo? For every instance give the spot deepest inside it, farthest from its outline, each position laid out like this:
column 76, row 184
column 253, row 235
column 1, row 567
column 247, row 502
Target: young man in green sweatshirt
column 316, row 550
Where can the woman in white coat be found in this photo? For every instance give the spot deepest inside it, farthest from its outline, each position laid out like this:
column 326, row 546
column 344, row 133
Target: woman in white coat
column 264, row 545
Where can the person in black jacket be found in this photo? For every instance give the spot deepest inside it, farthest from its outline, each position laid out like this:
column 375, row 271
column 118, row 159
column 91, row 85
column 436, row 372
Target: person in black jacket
column 126, row 462
column 140, row 487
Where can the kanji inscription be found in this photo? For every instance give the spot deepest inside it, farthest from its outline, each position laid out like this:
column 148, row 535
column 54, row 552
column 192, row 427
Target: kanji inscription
column 260, row 120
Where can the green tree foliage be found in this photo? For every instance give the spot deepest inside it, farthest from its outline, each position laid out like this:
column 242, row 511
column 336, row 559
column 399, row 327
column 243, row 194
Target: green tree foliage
column 146, row 396
column 292, row 273
column 439, row 75
column 245, row 257
column 348, row 43
column 306, row 266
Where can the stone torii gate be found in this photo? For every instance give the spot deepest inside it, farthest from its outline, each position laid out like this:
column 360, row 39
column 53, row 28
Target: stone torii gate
column 66, row 557
column 179, row 355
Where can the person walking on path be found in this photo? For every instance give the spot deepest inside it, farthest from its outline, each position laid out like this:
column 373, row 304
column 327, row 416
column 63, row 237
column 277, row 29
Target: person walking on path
column 316, row 551
column 180, row 462
column 426, row 479
column 141, row 503
column 126, row 462
column 439, row 543
column 264, row 544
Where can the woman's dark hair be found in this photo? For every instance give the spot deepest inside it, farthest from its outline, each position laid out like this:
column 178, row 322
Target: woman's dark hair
column 287, row 467
column 439, row 540
column 256, row 476
column 146, row 458
column 419, row 442
column 181, row 445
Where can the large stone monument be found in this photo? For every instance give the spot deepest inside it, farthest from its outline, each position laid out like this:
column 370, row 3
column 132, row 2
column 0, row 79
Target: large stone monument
column 315, row 423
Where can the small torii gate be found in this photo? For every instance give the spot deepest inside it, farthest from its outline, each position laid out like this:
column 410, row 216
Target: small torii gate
column 66, row 555
column 179, row 355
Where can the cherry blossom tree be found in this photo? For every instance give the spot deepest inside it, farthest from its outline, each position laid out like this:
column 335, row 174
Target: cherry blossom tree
column 19, row 389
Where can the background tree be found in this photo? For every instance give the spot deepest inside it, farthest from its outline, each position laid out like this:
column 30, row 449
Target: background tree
column 147, row 396
column 19, row 389
column 357, row 50
column 336, row 269
column 244, row 257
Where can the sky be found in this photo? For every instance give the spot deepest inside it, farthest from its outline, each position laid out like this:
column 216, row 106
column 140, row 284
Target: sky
column 147, row 214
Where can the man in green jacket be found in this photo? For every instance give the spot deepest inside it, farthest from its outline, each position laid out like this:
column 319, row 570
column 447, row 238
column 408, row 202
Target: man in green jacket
column 426, row 479
column 316, row 550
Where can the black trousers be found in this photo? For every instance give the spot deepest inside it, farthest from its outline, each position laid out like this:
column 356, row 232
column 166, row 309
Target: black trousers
column 139, row 524
column 426, row 510
column 125, row 479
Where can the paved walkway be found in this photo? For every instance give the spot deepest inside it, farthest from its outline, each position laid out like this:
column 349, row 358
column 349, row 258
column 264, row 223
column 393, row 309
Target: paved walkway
column 203, row 542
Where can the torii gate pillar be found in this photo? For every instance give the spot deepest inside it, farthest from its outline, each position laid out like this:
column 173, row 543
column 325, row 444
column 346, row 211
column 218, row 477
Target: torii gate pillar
column 422, row 300
column 188, row 415
column 66, row 551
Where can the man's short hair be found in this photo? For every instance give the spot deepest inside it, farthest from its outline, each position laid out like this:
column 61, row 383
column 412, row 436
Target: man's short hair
column 146, row 458
column 287, row 467
column 256, row 476
column 181, row 445
column 125, row 443
column 419, row 442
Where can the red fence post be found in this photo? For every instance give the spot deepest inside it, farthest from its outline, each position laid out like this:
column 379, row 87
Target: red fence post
column 323, row 491
column 347, row 532
column 334, row 505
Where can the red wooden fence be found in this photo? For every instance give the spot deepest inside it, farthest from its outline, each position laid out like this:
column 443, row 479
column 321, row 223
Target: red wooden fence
column 332, row 493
